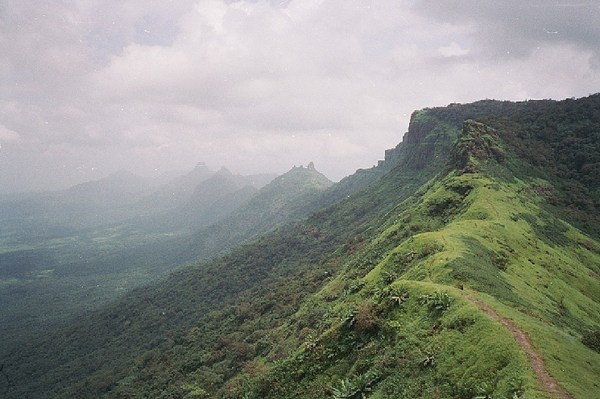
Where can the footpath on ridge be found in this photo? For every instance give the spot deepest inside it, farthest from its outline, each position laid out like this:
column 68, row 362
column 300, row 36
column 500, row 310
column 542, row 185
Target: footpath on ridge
column 545, row 381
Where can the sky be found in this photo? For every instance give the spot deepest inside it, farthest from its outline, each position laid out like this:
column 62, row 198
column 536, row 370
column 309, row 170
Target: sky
column 89, row 87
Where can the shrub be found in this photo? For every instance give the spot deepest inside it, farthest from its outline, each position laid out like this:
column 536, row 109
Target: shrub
column 345, row 389
column 354, row 388
column 366, row 319
column 438, row 301
column 591, row 339
column 516, row 387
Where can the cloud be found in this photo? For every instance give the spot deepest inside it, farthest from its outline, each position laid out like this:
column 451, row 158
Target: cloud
column 515, row 28
column 453, row 50
column 260, row 85
column 7, row 135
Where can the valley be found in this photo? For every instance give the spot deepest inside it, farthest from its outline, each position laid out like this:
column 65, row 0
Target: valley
column 464, row 265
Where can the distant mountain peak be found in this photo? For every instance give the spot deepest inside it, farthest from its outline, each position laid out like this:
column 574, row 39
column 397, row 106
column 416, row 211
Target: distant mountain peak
column 301, row 176
column 310, row 166
column 200, row 170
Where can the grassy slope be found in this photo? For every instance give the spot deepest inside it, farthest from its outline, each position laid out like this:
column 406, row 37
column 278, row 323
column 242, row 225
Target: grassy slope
column 491, row 236
column 550, row 291
column 366, row 297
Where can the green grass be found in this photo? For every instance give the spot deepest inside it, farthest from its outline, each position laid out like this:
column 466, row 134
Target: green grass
column 566, row 359
column 416, row 353
column 548, row 286
column 549, row 283
column 493, row 235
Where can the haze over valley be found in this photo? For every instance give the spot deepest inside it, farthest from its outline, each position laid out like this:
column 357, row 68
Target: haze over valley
column 300, row 199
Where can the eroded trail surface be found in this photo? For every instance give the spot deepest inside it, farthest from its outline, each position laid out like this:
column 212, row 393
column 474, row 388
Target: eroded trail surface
column 544, row 379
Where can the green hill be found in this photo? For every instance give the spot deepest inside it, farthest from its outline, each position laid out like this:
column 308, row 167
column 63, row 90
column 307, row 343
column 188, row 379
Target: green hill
column 52, row 281
column 467, row 267
column 289, row 197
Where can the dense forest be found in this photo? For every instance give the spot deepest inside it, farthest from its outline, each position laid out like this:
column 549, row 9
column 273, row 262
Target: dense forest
column 465, row 265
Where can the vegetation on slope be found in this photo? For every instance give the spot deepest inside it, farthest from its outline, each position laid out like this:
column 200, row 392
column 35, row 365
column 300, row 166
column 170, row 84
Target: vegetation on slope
column 385, row 294
column 109, row 340
column 45, row 281
column 483, row 233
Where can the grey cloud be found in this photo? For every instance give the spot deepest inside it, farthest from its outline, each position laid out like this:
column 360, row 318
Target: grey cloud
column 516, row 28
column 264, row 84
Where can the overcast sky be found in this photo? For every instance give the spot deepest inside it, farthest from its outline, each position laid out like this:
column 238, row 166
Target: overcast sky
column 88, row 87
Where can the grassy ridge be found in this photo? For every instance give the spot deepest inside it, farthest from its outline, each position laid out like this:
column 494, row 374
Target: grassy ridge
column 377, row 295
column 486, row 235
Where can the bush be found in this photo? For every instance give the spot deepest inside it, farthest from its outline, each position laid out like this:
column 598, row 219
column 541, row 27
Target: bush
column 591, row 339
column 366, row 320
column 485, row 390
column 357, row 387
column 438, row 301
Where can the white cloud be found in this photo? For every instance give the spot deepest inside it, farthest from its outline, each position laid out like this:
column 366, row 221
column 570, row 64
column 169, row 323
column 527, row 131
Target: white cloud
column 7, row 135
column 453, row 50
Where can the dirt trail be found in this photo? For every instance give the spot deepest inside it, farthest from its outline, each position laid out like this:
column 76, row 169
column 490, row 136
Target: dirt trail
column 544, row 379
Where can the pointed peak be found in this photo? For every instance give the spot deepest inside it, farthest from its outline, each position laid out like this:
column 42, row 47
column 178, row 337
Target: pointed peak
column 310, row 166
column 302, row 174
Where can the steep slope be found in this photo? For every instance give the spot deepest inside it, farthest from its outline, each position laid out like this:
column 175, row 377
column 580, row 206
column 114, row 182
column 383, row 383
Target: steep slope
column 430, row 283
column 402, row 318
column 487, row 230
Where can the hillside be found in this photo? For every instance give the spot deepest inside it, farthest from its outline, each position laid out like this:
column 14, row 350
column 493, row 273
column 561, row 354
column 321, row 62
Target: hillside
column 211, row 201
column 51, row 283
column 178, row 190
column 36, row 217
column 469, row 267
column 291, row 196
column 197, row 199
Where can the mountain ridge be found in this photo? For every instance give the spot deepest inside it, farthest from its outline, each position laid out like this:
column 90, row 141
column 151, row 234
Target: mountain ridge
column 370, row 295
